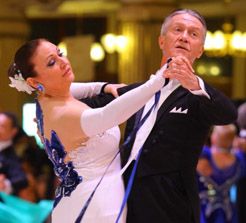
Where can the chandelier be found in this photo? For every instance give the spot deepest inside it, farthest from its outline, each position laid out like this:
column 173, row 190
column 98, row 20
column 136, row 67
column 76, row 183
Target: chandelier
column 225, row 42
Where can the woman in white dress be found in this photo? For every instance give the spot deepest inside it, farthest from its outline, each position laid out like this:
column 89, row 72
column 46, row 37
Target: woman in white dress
column 81, row 142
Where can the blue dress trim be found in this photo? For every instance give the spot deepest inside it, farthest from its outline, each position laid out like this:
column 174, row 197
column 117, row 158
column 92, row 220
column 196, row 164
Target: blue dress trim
column 65, row 171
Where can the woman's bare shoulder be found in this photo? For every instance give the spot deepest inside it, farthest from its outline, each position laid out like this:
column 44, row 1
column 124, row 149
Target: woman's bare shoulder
column 64, row 118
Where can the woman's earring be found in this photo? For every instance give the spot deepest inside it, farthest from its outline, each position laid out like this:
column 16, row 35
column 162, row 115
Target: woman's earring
column 40, row 87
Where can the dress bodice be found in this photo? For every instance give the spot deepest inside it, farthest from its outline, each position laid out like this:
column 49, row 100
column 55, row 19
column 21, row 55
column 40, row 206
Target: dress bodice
column 93, row 158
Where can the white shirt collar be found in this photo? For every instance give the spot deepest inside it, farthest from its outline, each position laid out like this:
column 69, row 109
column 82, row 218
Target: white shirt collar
column 174, row 83
column 5, row 144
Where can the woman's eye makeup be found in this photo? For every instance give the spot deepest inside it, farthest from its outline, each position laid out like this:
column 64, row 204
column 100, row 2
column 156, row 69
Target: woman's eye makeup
column 53, row 61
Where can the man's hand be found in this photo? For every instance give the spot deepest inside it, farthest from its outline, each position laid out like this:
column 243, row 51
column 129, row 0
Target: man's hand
column 181, row 69
column 112, row 88
column 2, row 182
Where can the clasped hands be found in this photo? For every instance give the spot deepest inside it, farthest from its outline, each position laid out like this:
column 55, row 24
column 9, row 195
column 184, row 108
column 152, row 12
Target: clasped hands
column 180, row 68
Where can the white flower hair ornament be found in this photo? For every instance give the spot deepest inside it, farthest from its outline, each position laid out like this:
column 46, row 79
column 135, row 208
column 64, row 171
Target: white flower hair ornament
column 20, row 84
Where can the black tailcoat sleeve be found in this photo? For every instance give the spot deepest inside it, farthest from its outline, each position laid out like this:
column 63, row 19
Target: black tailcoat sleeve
column 11, row 167
column 98, row 101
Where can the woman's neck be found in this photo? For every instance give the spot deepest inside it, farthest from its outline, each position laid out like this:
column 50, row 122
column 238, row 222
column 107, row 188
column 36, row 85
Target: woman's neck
column 62, row 95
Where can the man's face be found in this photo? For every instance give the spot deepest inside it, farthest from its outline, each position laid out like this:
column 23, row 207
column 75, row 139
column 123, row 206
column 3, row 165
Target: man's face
column 184, row 37
column 7, row 131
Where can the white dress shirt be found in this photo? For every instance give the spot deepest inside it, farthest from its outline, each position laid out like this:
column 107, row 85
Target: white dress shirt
column 146, row 128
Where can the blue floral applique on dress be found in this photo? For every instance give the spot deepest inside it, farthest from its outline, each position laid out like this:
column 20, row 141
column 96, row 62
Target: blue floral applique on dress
column 65, row 171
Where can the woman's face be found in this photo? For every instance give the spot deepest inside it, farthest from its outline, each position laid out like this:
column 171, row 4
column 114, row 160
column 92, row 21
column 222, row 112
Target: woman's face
column 53, row 69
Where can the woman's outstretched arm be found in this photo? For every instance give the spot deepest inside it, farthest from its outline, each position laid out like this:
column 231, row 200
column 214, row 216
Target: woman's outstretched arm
column 94, row 121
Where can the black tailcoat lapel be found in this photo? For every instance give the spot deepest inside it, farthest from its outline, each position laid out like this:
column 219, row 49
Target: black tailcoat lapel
column 176, row 94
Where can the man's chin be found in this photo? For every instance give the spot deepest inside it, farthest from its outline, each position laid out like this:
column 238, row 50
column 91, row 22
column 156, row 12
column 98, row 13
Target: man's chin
column 183, row 53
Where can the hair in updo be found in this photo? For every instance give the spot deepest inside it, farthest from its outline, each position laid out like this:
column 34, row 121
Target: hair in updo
column 22, row 61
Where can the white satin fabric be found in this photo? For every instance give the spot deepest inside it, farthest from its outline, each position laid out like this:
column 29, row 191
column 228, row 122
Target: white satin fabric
column 90, row 162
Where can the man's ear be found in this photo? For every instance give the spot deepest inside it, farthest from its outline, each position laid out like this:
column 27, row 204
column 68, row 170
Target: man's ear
column 200, row 52
column 161, row 41
column 32, row 82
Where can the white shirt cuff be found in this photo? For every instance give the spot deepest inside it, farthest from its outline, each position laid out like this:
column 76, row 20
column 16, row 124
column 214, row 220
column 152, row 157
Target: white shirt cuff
column 202, row 91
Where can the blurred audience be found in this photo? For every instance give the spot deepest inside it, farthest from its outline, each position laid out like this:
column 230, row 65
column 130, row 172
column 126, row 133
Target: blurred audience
column 240, row 143
column 22, row 161
column 12, row 175
column 240, row 139
column 37, row 168
column 219, row 167
column 27, row 181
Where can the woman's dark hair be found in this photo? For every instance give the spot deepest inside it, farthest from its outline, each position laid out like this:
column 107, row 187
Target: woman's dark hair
column 22, row 61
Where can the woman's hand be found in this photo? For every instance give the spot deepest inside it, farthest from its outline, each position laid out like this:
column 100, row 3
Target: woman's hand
column 112, row 88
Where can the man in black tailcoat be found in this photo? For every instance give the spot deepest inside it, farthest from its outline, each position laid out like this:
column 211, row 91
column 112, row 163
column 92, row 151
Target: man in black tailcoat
column 165, row 186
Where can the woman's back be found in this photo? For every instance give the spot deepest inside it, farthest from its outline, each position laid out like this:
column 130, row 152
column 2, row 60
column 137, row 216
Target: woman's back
column 63, row 117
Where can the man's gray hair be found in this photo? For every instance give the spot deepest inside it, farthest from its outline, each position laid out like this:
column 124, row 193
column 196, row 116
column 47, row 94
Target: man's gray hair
column 192, row 12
